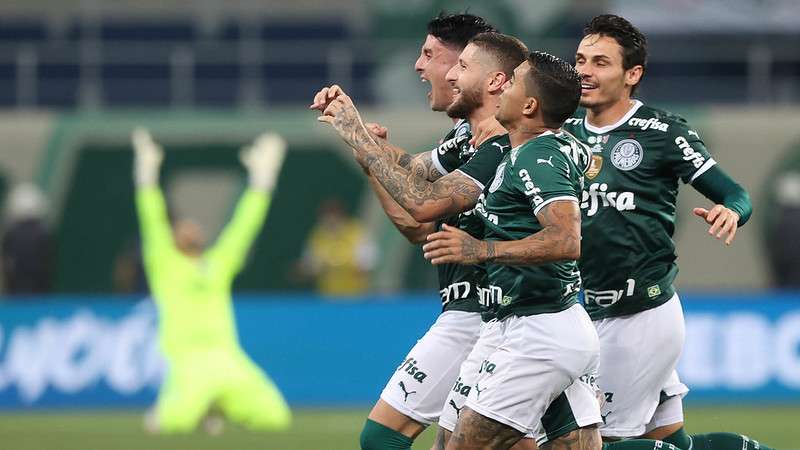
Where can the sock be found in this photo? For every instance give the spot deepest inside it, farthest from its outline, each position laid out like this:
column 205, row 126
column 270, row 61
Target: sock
column 725, row 441
column 375, row 436
column 639, row 444
column 681, row 440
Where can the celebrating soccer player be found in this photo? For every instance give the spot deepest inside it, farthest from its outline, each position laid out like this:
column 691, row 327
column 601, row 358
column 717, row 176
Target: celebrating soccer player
column 639, row 155
column 415, row 394
column 192, row 291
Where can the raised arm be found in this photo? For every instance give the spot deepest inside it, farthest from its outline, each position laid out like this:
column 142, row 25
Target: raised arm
column 412, row 230
column 559, row 240
column 263, row 162
column 425, row 201
column 151, row 209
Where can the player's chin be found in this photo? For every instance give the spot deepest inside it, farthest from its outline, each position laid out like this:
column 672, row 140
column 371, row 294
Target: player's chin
column 587, row 101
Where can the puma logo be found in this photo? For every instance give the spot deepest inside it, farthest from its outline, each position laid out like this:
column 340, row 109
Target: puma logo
column 458, row 410
column 405, row 392
column 692, row 132
column 479, row 390
column 500, row 146
column 605, row 415
column 545, row 161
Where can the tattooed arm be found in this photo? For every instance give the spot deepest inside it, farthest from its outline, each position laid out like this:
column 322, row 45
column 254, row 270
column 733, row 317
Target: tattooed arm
column 425, row 201
column 325, row 97
column 417, row 163
column 414, row 231
column 559, row 240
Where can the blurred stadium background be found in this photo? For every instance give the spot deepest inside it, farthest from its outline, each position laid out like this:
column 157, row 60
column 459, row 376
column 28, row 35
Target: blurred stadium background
column 78, row 359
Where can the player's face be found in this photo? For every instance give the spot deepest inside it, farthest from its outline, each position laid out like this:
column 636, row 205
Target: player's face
column 468, row 79
column 603, row 79
column 189, row 237
column 513, row 97
column 435, row 59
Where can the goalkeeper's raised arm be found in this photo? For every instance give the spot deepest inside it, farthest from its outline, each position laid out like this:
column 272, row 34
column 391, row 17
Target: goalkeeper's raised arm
column 263, row 161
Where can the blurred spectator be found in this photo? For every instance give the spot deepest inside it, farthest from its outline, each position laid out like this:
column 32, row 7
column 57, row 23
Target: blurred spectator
column 129, row 276
column 339, row 254
column 27, row 243
column 783, row 240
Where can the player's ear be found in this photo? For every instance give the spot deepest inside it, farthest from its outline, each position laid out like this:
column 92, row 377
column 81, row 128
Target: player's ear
column 530, row 106
column 496, row 81
column 633, row 75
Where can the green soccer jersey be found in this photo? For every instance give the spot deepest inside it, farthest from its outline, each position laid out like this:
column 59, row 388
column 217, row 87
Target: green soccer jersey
column 544, row 170
column 193, row 295
column 628, row 207
column 460, row 286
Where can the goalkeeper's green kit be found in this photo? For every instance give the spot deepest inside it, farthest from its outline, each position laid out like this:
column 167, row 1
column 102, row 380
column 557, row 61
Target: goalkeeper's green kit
column 197, row 329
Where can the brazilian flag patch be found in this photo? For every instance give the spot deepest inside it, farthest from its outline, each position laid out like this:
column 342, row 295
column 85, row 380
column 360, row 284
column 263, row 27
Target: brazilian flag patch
column 653, row 291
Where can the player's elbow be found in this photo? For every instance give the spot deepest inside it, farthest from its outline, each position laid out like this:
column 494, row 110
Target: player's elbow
column 411, row 233
column 416, row 234
column 431, row 212
column 422, row 215
column 569, row 248
column 573, row 252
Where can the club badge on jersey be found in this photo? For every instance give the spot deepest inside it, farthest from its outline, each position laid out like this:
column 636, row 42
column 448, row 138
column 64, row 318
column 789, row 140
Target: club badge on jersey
column 627, row 154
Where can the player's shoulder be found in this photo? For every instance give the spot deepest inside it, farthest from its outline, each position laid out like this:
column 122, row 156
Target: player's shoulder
column 500, row 143
column 545, row 147
column 576, row 120
column 462, row 130
column 651, row 118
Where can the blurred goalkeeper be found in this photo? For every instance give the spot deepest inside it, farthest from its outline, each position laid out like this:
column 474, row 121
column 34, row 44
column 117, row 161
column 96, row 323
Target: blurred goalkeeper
column 192, row 290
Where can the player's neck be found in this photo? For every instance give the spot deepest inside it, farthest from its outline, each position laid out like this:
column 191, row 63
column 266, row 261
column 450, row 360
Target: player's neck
column 524, row 132
column 610, row 114
column 482, row 113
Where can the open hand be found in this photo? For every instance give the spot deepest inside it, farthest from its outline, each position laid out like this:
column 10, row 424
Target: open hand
column 147, row 159
column 723, row 221
column 264, row 160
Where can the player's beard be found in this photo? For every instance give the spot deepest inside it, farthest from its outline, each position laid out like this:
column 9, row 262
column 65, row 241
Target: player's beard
column 467, row 101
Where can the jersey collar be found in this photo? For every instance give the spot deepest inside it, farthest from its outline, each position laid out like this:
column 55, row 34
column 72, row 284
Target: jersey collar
column 546, row 133
column 602, row 130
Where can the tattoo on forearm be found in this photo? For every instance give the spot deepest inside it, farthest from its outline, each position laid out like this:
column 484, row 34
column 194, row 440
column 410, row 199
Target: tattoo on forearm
column 490, row 251
column 408, row 187
column 560, row 236
column 412, row 191
column 404, row 160
column 471, row 249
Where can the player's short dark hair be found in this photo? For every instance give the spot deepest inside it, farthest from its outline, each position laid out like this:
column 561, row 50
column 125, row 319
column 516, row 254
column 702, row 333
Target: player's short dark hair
column 508, row 51
column 632, row 41
column 457, row 29
column 557, row 86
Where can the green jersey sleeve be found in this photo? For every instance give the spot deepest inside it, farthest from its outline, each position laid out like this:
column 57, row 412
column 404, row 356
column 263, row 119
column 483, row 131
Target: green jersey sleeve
column 230, row 249
column 685, row 153
column 158, row 247
column 544, row 175
column 482, row 166
column 447, row 155
column 720, row 188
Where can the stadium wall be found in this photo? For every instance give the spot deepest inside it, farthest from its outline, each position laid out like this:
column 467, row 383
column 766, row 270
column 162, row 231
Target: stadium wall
column 98, row 352
column 71, row 155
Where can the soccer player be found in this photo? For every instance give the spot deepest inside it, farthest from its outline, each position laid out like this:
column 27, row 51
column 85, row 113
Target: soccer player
column 414, row 396
column 532, row 231
column 192, row 291
column 639, row 154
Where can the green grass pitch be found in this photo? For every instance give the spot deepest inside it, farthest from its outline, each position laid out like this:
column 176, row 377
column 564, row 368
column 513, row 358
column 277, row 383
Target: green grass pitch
column 330, row 429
